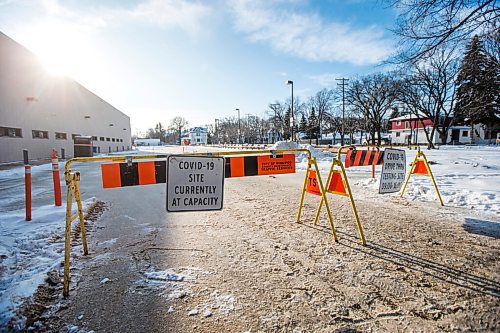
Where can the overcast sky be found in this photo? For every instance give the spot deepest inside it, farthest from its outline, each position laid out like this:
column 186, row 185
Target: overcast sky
column 157, row 59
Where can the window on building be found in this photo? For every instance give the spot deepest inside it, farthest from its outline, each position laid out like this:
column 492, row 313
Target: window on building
column 112, row 139
column 61, row 136
column 407, row 124
column 94, row 138
column 398, row 134
column 198, row 134
column 12, row 132
column 465, row 134
column 121, row 140
column 38, row 134
column 101, row 138
column 108, row 139
column 73, row 136
column 398, row 122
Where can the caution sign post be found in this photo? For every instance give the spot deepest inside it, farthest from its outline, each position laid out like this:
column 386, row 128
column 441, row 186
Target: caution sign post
column 195, row 183
column 420, row 166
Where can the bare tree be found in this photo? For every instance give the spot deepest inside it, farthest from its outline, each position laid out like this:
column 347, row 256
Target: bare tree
column 276, row 113
column 322, row 102
column 426, row 25
column 332, row 124
column 430, row 93
column 178, row 123
column 159, row 132
column 372, row 97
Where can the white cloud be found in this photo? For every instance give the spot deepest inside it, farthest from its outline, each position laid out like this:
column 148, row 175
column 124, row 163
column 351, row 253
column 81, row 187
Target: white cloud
column 172, row 13
column 326, row 80
column 167, row 14
column 308, row 36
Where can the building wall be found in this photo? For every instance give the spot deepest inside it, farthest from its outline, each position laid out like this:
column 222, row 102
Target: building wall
column 31, row 99
column 419, row 137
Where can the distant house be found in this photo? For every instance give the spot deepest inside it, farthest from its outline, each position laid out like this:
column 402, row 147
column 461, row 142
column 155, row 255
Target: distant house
column 409, row 129
column 147, row 142
column 198, row 136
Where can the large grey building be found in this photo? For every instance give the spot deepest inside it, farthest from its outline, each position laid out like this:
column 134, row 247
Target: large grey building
column 39, row 111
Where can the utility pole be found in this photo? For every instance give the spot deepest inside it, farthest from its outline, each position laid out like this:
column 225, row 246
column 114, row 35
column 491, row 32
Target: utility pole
column 343, row 84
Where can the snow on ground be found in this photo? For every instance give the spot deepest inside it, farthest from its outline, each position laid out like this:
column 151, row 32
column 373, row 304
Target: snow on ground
column 467, row 176
column 28, row 251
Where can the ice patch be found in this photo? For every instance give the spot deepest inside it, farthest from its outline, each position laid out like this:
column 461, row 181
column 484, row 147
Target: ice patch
column 224, row 302
column 167, row 275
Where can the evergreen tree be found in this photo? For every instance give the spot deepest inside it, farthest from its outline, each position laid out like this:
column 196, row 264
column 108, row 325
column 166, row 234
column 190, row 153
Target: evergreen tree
column 303, row 124
column 313, row 125
column 477, row 86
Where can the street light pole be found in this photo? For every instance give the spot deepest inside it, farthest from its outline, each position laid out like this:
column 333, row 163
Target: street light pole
column 343, row 84
column 291, row 109
column 239, row 127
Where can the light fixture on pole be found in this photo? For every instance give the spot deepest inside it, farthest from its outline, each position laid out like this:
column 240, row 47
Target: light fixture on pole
column 290, row 82
column 239, row 127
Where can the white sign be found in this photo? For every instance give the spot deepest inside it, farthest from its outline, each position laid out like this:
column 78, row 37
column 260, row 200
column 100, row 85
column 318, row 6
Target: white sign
column 393, row 171
column 194, row 183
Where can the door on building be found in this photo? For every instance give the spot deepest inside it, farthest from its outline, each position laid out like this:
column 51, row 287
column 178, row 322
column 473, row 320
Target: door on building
column 455, row 136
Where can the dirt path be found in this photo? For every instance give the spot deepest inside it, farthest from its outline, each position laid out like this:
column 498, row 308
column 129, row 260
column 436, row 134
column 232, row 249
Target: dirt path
column 251, row 268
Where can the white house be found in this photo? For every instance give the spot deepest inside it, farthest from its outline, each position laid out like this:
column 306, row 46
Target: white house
column 198, row 136
column 39, row 111
column 408, row 129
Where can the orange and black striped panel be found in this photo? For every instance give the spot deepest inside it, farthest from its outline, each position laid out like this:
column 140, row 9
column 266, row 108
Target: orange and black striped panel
column 356, row 157
column 243, row 166
column 131, row 174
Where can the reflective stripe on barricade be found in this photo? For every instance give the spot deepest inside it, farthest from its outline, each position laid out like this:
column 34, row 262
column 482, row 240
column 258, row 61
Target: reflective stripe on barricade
column 357, row 157
column 131, row 174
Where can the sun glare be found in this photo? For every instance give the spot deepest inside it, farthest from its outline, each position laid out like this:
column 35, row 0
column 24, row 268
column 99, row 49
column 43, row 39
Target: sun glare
column 62, row 49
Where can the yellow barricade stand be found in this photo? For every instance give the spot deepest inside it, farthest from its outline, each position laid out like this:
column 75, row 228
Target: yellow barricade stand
column 314, row 185
column 72, row 179
column 337, row 183
column 420, row 166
